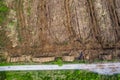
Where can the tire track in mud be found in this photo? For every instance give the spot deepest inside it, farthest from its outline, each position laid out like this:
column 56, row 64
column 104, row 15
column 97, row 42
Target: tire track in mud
column 116, row 9
column 81, row 22
column 94, row 24
column 52, row 38
column 104, row 22
column 20, row 17
column 58, row 21
column 44, row 32
column 35, row 28
column 15, row 50
column 68, row 20
column 114, row 19
column 24, row 34
column 57, row 14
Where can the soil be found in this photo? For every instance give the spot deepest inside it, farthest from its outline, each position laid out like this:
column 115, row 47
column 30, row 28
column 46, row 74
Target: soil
column 86, row 29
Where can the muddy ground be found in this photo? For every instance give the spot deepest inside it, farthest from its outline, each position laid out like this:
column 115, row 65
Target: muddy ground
column 86, row 29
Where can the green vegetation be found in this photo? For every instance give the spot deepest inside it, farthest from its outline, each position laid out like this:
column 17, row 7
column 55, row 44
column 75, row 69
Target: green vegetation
column 28, row 13
column 55, row 75
column 2, row 75
column 57, row 62
column 3, row 11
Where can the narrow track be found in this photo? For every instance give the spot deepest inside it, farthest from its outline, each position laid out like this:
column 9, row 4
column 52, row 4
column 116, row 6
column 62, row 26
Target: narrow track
column 104, row 68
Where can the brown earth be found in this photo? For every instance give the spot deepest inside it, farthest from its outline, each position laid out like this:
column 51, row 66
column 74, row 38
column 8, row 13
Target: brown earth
column 86, row 29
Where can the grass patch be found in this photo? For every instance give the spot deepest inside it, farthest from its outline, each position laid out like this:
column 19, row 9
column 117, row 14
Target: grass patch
column 3, row 16
column 56, row 75
column 3, row 11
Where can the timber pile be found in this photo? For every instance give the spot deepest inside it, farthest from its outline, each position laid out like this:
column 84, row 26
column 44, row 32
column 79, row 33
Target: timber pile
column 87, row 29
